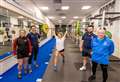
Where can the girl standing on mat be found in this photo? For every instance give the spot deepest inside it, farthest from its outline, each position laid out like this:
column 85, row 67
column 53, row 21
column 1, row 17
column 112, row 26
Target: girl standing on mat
column 23, row 49
column 59, row 48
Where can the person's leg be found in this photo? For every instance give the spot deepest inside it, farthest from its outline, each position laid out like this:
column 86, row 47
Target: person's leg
column 56, row 59
column 104, row 72
column 25, row 62
column 20, row 63
column 94, row 67
column 84, row 63
column 35, row 56
column 30, row 63
column 63, row 56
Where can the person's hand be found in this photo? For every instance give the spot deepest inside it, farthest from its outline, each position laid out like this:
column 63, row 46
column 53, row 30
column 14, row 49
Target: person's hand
column 30, row 54
column 81, row 49
column 91, row 53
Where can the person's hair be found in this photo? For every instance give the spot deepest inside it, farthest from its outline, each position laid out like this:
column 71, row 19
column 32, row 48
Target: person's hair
column 90, row 26
column 33, row 26
column 104, row 28
column 22, row 30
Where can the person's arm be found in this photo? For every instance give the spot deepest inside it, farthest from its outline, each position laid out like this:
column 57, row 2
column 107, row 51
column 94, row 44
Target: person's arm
column 81, row 43
column 28, row 36
column 55, row 34
column 14, row 46
column 30, row 47
column 39, row 37
column 111, row 48
column 64, row 35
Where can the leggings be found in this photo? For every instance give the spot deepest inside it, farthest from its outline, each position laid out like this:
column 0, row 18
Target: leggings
column 104, row 70
column 34, row 54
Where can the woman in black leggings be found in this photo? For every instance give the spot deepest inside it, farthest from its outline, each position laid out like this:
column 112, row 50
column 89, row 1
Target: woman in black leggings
column 102, row 48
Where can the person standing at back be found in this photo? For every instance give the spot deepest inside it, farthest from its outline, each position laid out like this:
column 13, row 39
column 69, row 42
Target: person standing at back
column 85, row 45
column 108, row 33
column 34, row 39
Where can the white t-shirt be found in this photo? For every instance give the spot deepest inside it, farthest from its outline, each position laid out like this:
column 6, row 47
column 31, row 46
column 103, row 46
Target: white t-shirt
column 60, row 43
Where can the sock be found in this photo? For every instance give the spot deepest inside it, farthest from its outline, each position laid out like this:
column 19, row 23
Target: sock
column 19, row 72
column 84, row 65
column 29, row 66
column 35, row 62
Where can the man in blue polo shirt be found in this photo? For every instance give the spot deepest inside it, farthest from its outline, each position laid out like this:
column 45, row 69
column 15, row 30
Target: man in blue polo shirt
column 34, row 39
column 102, row 49
column 85, row 45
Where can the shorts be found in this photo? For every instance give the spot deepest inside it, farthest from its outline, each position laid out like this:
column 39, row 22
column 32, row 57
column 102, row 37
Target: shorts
column 61, row 50
column 22, row 55
column 86, row 53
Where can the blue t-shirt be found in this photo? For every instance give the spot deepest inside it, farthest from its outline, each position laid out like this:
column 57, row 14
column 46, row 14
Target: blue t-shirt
column 87, row 38
column 101, row 50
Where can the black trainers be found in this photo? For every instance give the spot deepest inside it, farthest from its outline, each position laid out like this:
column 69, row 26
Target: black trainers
column 92, row 77
column 19, row 76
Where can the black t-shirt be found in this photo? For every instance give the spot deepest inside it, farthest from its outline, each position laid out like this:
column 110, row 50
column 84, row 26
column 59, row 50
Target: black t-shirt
column 22, row 44
column 87, row 38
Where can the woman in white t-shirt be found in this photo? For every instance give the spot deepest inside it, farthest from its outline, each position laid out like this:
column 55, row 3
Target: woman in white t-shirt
column 59, row 48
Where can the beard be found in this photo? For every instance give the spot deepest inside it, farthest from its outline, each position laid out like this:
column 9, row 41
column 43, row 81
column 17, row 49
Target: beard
column 90, row 32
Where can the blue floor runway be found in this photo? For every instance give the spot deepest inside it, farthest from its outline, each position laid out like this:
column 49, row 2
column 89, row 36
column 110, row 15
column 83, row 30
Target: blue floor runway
column 43, row 59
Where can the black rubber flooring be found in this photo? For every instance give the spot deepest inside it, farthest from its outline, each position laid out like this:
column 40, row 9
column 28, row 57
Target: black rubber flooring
column 69, row 72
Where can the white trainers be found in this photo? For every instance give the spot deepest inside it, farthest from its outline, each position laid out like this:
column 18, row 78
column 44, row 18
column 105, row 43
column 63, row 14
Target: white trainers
column 83, row 68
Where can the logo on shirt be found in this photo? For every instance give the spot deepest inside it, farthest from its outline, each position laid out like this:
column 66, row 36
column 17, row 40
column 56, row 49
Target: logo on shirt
column 105, row 44
column 25, row 40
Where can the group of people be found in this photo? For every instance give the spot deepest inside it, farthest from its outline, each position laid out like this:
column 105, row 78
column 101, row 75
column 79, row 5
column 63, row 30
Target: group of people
column 98, row 48
column 25, row 48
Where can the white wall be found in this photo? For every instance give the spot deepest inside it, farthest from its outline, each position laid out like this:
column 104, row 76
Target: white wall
column 115, row 28
column 39, row 17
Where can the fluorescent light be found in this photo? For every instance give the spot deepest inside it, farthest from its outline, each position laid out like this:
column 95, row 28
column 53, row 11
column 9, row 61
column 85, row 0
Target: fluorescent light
column 51, row 17
column 85, row 7
column 63, row 17
column 75, row 17
column 65, row 7
column 44, row 8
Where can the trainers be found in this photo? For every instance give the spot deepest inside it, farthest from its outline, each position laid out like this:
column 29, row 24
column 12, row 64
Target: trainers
column 19, row 76
column 55, row 68
column 83, row 68
column 30, row 71
column 26, row 71
column 92, row 77
column 36, row 65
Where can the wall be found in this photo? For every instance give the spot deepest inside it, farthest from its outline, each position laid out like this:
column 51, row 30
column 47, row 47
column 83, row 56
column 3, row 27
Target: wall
column 39, row 17
column 114, row 29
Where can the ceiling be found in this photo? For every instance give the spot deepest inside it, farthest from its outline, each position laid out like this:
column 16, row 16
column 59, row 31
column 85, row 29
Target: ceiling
column 54, row 8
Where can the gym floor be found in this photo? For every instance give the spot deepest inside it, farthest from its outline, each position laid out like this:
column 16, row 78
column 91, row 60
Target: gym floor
column 69, row 72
